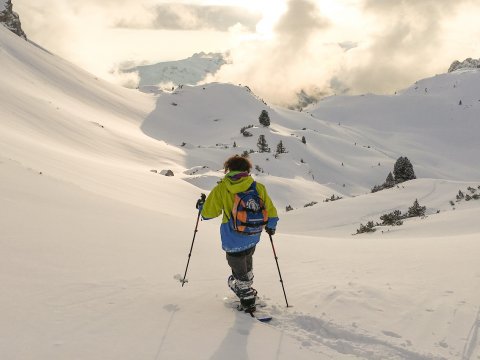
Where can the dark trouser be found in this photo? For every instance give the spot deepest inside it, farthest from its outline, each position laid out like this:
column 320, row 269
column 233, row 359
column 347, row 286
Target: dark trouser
column 241, row 264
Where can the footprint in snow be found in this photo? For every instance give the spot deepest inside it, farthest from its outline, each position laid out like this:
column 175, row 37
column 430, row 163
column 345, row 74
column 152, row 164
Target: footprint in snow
column 391, row 334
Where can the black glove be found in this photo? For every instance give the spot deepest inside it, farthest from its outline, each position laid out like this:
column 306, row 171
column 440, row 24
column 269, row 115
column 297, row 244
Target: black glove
column 270, row 231
column 200, row 202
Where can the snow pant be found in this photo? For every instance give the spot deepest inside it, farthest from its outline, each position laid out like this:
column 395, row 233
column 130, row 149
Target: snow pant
column 241, row 264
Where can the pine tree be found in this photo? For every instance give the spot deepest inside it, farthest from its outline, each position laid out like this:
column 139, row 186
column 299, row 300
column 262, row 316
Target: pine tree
column 262, row 144
column 280, row 148
column 393, row 218
column 416, row 209
column 403, row 170
column 264, row 118
column 389, row 181
column 304, row 140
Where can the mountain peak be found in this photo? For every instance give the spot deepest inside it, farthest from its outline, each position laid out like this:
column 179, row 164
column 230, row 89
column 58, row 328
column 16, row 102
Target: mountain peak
column 188, row 71
column 468, row 63
column 10, row 19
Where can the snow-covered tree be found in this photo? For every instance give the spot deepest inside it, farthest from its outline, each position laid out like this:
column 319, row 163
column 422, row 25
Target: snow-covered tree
column 264, row 118
column 416, row 209
column 369, row 227
column 403, row 170
column 389, row 181
column 280, row 148
column 392, row 219
column 262, row 144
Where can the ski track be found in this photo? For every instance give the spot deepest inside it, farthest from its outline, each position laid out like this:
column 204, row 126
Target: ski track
column 315, row 333
column 472, row 339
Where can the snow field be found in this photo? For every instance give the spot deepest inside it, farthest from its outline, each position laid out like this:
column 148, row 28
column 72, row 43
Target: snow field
column 91, row 238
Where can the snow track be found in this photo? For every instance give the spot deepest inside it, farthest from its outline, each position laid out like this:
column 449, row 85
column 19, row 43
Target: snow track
column 316, row 333
column 472, row 344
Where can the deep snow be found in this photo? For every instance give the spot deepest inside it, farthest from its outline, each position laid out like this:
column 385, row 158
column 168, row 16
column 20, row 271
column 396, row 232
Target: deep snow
column 92, row 238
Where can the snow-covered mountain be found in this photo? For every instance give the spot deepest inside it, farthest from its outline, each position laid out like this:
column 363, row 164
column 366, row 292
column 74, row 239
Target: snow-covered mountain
column 188, row 71
column 468, row 63
column 92, row 235
column 10, row 19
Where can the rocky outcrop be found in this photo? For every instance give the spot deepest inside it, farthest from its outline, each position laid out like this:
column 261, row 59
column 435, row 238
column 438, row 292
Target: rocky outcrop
column 466, row 64
column 10, row 19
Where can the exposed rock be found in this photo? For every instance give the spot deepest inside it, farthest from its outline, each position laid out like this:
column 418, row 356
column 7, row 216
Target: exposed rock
column 466, row 64
column 10, row 19
column 167, row 172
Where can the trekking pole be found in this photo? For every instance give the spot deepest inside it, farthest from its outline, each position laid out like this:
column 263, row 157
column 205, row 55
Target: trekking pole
column 202, row 197
column 278, row 267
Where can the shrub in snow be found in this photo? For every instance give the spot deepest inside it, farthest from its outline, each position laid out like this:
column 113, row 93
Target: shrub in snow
column 389, row 183
column 403, row 170
column 460, row 195
column 247, row 133
column 416, row 210
column 471, row 189
column 369, row 227
column 333, row 198
column 304, row 140
column 259, row 169
column 264, row 118
column 280, row 148
column 310, row 204
column 392, row 219
column 245, row 154
column 242, row 130
column 289, row 208
column 262, row 144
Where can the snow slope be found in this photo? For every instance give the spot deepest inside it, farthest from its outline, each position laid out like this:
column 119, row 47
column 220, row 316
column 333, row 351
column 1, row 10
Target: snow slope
column 92, row 239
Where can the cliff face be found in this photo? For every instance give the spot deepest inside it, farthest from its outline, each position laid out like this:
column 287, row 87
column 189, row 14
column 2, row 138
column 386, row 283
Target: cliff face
column 10, row 19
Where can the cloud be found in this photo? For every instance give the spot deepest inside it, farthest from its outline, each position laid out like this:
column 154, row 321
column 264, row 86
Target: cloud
column 316, row 47
column 280, row 67
column 195, row 17
column 398, row 42
column 409, row 42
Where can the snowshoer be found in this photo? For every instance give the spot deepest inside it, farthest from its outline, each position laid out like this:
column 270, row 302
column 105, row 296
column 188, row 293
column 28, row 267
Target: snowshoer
column 247, row 210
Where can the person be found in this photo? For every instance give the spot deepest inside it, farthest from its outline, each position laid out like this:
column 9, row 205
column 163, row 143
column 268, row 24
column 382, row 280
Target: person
column 238, row 243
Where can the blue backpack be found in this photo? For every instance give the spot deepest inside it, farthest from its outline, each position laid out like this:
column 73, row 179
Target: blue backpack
column 249, row 215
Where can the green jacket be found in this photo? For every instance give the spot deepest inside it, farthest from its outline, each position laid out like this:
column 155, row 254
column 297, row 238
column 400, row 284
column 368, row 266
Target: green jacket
column 221, row 199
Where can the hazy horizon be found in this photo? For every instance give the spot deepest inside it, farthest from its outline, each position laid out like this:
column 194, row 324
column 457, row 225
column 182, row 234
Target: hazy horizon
column 278, row 48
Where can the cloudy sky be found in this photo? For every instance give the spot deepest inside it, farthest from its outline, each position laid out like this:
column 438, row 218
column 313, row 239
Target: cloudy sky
column 277, row 47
